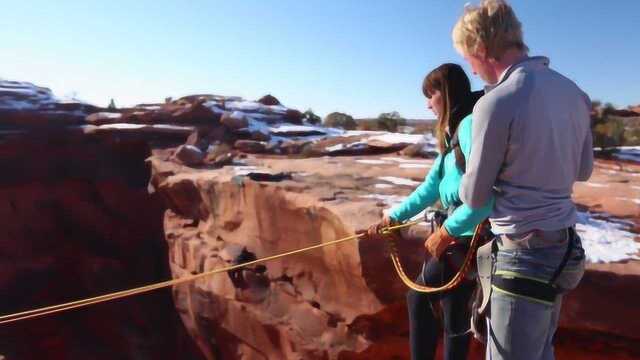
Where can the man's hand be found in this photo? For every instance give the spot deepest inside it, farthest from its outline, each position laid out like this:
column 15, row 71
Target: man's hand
column 438, row 242
column 375, row 228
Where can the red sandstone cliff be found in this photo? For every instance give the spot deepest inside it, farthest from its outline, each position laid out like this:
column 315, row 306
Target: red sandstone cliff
column 81, row 222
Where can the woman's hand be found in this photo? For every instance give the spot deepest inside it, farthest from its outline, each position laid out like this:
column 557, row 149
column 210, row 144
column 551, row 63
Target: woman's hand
column 438, row 242
column 375, row 228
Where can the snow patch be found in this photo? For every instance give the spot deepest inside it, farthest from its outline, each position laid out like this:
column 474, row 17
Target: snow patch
column 605, row 240
column 244, row 169
column 414, row 166
column 361, row 132
column 109, row 115
column 337, row 147
column 397, row 138
column 630, row 153
column 122, row 126
column 372, row 162
column 389, row 200
column 383, row 186
column 285, row 128
column 401, row 160
column 399, row 181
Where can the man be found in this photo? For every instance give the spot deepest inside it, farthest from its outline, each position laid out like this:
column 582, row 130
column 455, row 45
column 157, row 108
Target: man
column 531, row 141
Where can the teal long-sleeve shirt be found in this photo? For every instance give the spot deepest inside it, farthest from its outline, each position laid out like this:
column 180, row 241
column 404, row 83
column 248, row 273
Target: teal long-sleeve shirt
column 463, row 220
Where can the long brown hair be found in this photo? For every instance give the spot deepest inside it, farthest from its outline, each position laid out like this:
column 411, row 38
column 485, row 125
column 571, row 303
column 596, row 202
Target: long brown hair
column 457, row 98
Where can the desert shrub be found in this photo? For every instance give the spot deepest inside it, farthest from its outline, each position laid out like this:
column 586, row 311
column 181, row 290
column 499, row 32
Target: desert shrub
column 390, row 121
column 340, row 120
column 311, row 117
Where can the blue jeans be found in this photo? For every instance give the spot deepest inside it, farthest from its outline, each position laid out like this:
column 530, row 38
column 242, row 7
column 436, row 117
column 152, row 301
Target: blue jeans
column 522, row 328
column 423, row 325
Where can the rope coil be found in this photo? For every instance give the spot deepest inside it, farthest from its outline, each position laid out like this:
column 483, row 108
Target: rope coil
column 455, row 281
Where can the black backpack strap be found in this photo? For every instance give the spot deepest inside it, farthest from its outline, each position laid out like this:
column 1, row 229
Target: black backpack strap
column 461, row 162
column 571, row 240
column 453, row 144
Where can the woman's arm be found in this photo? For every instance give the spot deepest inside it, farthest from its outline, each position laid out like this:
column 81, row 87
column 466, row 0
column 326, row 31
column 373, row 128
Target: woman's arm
column 464, row 218
column 423, row 196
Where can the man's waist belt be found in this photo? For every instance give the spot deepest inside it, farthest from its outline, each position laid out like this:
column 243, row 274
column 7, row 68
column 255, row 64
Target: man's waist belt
column 534, row 289
column 524, row 287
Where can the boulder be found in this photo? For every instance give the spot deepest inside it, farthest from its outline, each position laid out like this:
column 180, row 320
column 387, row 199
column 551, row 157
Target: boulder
column 420, row 150
column 234, row 120
column 269, row 100
column 189, row 155
column 293, row 116
column 258, row 135
column 250, row 146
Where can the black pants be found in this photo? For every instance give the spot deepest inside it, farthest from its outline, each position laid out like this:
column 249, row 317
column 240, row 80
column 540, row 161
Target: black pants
column 455, row 309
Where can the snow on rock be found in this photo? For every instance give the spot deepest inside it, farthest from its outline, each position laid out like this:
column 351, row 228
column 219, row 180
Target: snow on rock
column 372, row 161
column 383, row 186
column 362, row 132
column 403, row 160
column 606, row 240
column 127, row 126
column 397, row 138
column 251, row 106
column 399, row 181
column 342, row 147
column 244, row 169
column 389, row 200
column 414, row 166
column 16, row 95
column 23, row 103
column 630, row 153
column 298, row 130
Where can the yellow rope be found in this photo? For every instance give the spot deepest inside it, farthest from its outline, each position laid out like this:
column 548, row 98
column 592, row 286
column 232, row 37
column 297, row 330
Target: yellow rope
column 5, row 319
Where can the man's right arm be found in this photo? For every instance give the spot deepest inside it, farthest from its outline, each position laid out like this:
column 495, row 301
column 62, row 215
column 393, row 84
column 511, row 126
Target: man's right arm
column 586, row 158
column 490, row 134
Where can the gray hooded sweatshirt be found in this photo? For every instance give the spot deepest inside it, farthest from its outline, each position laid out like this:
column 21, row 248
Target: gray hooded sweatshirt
column 531, row 140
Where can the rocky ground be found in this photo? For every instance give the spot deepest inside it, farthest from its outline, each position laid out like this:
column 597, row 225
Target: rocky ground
column 227, row 180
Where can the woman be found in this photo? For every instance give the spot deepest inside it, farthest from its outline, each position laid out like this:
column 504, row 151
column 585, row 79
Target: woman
column 449, row 95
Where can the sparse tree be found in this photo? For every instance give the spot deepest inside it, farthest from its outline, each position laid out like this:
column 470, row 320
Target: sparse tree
column 342, row 120
column 112, row 105
column 390, row 121
column 311, row 117
column 608, row 131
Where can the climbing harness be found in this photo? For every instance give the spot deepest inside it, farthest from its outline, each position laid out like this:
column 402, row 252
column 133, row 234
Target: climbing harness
column 390, row 232
column 537, row 290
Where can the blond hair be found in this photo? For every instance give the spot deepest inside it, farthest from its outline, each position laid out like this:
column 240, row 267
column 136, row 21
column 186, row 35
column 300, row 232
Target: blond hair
column 491, row 26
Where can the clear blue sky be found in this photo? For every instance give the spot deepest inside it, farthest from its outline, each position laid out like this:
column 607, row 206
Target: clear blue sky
column 360, row 57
